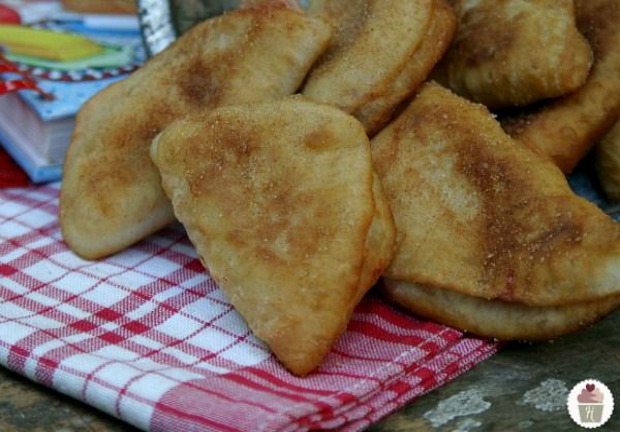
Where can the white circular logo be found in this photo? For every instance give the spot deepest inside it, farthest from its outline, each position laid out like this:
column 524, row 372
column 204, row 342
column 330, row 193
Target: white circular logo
column 590, row 404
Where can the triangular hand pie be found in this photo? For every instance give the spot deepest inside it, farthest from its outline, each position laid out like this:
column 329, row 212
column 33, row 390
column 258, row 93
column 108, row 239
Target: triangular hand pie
column 381, row 108
column 111, row 195
column 373, row 44
column 282, row 205
column 566, row 128
column 485, row 217
column 501, row 57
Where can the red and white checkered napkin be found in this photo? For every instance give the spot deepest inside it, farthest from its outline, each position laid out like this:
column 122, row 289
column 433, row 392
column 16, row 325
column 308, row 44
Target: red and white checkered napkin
column 147, row 336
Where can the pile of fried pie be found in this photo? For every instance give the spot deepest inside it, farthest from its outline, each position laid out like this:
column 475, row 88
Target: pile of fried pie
column 420, row 147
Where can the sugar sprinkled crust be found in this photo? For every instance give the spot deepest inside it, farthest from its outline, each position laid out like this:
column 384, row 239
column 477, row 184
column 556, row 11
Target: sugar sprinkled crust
column 485, row 217
column 282, row 205
column 111, row 195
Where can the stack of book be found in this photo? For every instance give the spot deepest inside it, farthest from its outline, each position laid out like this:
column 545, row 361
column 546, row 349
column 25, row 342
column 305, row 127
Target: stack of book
column 64, row 62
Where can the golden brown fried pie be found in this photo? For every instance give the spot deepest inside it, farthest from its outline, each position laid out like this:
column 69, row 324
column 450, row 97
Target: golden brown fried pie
column 373, row 42
column 514, row 53
column 378, row 111
column 568, row 127
column 111, row 195
column 492, row 222
column 282, row 205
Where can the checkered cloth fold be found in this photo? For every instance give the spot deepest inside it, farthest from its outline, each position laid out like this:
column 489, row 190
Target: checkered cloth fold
column 148, row 337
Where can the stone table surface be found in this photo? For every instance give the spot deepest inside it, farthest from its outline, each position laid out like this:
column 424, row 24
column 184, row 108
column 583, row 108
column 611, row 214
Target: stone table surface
column 522, row 388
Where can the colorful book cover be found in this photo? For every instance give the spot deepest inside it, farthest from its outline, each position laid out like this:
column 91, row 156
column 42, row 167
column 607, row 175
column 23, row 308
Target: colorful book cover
column 41, row 126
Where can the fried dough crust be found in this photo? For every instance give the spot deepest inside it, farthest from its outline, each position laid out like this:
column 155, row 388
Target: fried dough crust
column 491, row 238
column 515, row 52
column 567, row 128
column 358, row 67
column 496, row 319
column 381, row 109
column 283, row 207
column 111, row 195
column 485, row 216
